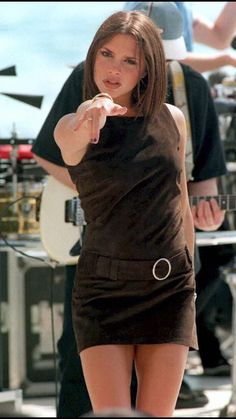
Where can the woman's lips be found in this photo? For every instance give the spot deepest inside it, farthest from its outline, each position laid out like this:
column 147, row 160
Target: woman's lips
column 111, row 85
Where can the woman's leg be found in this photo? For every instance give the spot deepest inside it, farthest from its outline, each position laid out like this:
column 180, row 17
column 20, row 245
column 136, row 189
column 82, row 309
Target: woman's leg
column 107, row 371
column 160, row 370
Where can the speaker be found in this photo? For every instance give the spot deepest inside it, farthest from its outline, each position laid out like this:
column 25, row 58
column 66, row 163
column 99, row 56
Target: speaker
column 12, row 358
column 44, row 300
column 32, row 303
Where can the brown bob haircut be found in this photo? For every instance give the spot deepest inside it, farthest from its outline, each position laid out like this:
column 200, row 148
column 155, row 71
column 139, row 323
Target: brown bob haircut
column 150, row 92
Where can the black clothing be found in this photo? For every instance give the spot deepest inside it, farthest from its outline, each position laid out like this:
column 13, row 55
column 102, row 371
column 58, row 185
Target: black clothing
column 129, row 186
column 74, row 400
column 208, row 154
column 67, row 101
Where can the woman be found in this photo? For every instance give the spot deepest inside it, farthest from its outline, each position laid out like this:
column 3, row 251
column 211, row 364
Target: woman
column 134, row 294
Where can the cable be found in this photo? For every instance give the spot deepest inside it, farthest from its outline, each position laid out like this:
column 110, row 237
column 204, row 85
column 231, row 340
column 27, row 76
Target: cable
column 52, row 264
column 3, row 212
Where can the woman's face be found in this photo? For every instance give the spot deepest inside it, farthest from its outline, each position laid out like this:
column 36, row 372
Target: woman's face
column 119, row 65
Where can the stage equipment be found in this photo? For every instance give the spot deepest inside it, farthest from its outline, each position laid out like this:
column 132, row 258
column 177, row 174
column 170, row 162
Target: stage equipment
column 32, row 304
column 20, row 176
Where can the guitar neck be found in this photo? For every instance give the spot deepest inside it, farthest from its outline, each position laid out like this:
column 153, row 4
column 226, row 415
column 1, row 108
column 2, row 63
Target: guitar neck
column 226, row 202
column 75, row 215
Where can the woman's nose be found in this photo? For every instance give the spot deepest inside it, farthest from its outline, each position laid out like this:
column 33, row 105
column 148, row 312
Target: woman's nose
column 115, row 67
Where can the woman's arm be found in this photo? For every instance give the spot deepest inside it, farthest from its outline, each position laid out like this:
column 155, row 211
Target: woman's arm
column 186, row 211
column 59, row 172
column 75, row 131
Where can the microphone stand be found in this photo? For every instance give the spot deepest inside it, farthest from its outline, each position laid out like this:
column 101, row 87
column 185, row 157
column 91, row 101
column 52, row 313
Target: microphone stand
column 12, row 396
column 13, row 158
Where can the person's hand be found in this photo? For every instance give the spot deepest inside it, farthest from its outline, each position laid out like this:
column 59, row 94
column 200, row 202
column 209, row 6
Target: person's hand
column 95, row 114
column 75, row 131
column 207, row 215
column 230, row 59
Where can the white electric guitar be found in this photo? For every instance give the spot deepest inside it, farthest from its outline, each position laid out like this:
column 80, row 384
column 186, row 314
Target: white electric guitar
column 58, row 236
column 62, row 224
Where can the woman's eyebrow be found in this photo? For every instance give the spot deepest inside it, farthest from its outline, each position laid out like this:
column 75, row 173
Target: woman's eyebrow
column 126, row 56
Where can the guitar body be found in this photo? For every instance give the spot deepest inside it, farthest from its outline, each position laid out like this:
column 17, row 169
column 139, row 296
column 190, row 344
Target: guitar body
column 57, row 236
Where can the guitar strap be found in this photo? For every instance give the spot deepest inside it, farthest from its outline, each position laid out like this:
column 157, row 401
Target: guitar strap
column 180, row 100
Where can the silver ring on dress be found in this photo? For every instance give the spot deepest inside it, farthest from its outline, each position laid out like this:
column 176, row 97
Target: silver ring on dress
column 155, row 265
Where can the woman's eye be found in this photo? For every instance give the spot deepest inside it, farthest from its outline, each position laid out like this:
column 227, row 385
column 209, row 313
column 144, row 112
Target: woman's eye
column 131, row 61
column 105, row 53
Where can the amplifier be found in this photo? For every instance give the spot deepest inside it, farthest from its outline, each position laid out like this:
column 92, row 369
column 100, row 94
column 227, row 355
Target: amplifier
column 32, row 302
column 12, row 358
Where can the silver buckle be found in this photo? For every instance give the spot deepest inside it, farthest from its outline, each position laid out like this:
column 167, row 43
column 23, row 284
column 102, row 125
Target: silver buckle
column 155, row 265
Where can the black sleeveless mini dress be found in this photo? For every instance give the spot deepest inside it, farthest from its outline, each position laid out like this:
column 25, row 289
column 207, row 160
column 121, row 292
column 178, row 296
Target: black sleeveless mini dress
column 134, row 281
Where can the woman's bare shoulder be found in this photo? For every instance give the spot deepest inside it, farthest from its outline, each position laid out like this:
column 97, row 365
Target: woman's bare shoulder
column 176, row 113
column 178, row 117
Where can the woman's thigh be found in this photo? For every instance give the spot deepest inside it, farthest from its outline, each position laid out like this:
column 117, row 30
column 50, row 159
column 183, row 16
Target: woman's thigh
column 160, row 370
column 107, row 371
